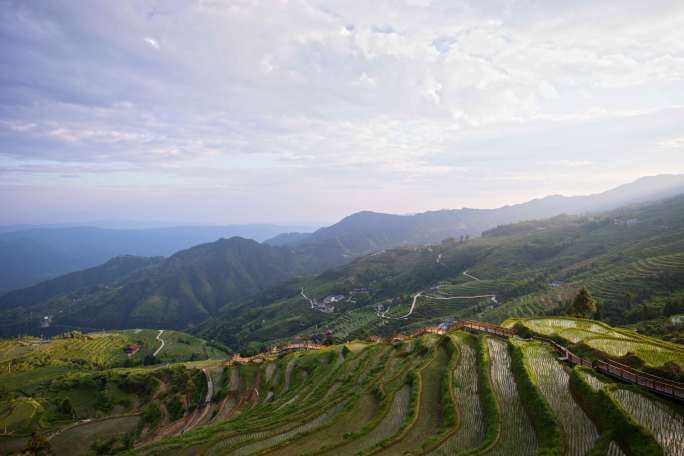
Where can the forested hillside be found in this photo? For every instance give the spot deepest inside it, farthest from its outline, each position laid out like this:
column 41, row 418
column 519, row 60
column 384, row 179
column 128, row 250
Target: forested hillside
column 631, row 260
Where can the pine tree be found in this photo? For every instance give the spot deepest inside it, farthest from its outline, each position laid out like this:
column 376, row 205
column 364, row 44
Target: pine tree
column 584, row 304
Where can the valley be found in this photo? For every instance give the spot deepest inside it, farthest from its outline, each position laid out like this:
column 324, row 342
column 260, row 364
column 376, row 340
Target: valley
column 467, row 346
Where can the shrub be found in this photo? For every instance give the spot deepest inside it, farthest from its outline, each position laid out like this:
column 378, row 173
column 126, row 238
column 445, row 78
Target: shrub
column 175, row 408
column 65, row 407
column 152, row 415
column 378, row 394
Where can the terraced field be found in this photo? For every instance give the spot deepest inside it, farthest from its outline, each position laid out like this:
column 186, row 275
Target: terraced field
column 666, row 425
column 471, row 426
column 553, row 382
column 437, row 395
column 516, row 434
column 611, row 341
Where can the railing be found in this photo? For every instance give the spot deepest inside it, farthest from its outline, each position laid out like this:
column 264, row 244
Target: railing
column 297, row 346
column 652, row 382
column 487, row 328
column 629, row 374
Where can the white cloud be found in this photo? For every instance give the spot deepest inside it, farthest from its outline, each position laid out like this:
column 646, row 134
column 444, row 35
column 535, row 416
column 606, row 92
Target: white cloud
column 377, row 91
column 672, row 143
column 151, row 42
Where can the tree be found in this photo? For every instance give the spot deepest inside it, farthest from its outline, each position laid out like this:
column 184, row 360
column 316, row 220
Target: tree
column 65, row 408
column 584, row 305
column 38, row 445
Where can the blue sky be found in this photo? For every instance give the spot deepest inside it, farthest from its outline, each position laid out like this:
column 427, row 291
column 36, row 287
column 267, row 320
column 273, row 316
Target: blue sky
column 306, row 111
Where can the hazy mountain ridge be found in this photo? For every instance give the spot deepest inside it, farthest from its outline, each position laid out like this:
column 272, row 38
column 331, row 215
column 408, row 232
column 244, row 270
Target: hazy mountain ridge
column 204, row 281
column 40, row 253
column 367, row 231
column 631, row 259
column 182, row 290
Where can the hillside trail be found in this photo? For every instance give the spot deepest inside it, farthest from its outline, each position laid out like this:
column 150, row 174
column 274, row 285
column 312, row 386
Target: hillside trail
column 199, row 416
column 156, row 352
column 383, row 314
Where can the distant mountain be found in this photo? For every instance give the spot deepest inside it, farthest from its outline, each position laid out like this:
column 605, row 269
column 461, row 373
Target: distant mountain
column 40, row 253
column 631, row 259
column 365, row 232
column 198, row 283
column 113, row 270
column 176, row 292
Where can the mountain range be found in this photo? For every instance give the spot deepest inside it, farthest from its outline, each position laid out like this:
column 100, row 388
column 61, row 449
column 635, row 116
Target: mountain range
column 31, row 254
column 237, row 280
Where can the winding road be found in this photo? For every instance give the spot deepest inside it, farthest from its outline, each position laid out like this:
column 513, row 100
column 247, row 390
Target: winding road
column 383, row 314
column 313, row 305
column 156, row 352
column 465, row 273
column 403, row 317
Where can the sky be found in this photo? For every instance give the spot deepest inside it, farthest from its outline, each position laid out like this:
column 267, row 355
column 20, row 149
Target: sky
column 307, row 111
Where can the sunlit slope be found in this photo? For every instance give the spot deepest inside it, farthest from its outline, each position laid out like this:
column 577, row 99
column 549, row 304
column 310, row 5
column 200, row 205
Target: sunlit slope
column 439, row 395
column 597, row 339
column 100, row 350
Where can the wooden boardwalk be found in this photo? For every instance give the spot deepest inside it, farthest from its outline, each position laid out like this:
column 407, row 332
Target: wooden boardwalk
column 653, row 383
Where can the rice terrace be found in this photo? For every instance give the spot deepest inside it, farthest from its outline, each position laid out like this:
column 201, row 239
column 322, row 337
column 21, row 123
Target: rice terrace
column 469, row 388
column 341, row 228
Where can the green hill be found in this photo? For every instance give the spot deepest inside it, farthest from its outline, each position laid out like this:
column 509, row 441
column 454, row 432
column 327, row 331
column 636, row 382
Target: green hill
column 176, row 292
column 630, row 259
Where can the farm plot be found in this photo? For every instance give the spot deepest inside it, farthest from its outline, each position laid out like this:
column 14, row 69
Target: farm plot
column 592, row 380
column 611, row 341
column 264, row 443
column 429, row 419
column 389, row 426
column 666, row 425
column 471, row 430
column 19, row 414
column 614, row 450
column 78, row 439
column 651, row 354
column 346, row 424
column 516, row 434
column 551, row 326
column 553, row 382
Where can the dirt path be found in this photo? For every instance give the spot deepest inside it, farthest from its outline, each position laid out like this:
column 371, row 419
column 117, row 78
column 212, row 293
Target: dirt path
column 465, row 273
column 199, row 416
column 403, row 317
column 307, row 298
column 156, row 352
column 383, row 314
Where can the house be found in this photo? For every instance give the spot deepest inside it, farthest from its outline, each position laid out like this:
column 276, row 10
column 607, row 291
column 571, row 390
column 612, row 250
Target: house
column 132, row 349
column 333, row 298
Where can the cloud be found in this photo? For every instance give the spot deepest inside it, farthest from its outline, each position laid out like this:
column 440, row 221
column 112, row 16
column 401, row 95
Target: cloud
column 398, row 96
column 151, row 42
